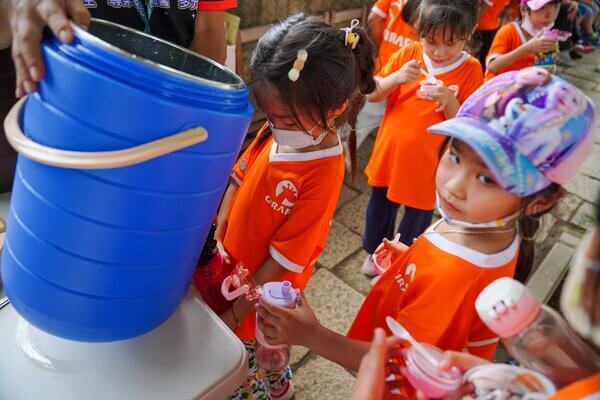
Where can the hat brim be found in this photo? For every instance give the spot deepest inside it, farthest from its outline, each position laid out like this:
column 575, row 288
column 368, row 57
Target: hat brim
column 535, row 5
column 510, row 167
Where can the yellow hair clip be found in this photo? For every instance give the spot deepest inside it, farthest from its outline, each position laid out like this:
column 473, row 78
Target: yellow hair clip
column 351, row 38
column 298, row 66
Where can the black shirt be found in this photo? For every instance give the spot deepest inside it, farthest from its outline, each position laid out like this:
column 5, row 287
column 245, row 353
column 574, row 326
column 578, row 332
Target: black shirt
column 172, row 20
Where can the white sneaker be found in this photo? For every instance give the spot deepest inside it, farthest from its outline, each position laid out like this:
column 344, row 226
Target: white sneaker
column 565, row 59
column 368, row 267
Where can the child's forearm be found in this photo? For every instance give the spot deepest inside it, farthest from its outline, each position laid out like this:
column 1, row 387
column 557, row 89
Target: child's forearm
column 384, row 87
column 502, row 61
column 337, row 348
column 227, row 201
column 451, row 109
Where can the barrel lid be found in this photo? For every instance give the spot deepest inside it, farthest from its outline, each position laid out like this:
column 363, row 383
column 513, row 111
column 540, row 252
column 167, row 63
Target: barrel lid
column 116, row 38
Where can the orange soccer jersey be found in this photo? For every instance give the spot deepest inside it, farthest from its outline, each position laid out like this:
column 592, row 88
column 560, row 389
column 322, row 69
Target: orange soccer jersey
column 282, row 209
column 431, row 290
column 397, row 33
column 507, row 39
column 405, row 156
column 490, row 19
column 586, row 389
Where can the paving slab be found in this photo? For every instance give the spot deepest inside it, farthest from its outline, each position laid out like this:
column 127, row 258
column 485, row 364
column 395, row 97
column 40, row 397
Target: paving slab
column 333, row 301
column 566, row 207
column 352, row 214
column 585, row 187
column 341, row 243
column 346, row 194
column 585, row 216
column 592, row 165
column 349, row 271
column 320, row 379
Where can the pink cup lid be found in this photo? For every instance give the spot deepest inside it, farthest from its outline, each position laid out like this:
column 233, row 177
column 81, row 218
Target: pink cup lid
column 418, row 365
column 431, row 82
column 507, row 307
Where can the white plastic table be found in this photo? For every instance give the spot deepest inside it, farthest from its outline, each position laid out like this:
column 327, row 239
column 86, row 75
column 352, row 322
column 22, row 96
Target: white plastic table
column 191, row 356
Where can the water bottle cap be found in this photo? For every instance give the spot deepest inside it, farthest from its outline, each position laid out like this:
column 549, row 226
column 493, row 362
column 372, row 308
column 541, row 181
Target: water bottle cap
column 428, row 378
column 279, row 293
column 507, row 307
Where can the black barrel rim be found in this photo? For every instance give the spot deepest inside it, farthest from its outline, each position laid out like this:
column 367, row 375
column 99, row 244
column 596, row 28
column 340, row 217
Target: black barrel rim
column 234, row 82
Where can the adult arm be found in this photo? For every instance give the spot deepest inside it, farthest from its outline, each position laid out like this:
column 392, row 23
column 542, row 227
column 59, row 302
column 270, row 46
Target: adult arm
column 209, row 36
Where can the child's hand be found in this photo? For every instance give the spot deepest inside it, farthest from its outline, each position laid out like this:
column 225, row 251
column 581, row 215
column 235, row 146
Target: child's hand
column 540, row 45
column 375, row 367
column 395, row 244
column 286, row 326
column 464, row 362
column 444, row 97
column 409, row 72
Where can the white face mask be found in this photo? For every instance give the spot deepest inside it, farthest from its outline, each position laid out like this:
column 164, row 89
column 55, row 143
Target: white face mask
column 499, row 223
column 296, row 139
column 528, row 27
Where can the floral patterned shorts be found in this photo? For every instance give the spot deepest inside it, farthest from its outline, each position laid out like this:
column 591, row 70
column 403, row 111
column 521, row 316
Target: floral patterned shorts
column 259, row 382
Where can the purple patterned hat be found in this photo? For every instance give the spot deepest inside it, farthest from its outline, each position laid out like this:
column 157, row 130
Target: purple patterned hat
column 530, row 128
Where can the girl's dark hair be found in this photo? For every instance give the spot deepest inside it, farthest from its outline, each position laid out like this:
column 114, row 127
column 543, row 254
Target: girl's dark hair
column 528, row 224
column 332, row 74
column 459, row 17
column 410, row 11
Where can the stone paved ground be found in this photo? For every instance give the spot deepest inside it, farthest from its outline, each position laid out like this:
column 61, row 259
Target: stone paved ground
column 338, row 287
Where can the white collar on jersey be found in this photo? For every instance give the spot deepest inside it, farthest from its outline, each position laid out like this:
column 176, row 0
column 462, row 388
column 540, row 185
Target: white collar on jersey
column 474, row 257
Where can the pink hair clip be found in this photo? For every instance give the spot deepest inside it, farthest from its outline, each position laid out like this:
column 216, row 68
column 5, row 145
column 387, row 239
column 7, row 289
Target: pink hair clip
column 351, row 37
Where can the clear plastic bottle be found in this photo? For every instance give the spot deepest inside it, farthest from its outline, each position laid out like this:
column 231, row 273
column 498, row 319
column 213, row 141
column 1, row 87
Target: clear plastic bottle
column 269, row 357
column 534, row 334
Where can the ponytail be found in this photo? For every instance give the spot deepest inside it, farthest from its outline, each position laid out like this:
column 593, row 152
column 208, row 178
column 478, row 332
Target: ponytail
column 529, row 225
column 364, row 55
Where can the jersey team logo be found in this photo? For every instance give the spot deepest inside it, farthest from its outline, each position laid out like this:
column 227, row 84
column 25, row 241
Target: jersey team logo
column 286, row 194
column 286, row 191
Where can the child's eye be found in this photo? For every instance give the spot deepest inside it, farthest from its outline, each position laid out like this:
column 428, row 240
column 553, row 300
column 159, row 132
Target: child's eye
column 486, row 180
column 454, row 158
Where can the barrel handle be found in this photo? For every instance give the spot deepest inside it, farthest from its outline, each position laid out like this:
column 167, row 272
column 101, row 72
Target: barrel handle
column 95, row 160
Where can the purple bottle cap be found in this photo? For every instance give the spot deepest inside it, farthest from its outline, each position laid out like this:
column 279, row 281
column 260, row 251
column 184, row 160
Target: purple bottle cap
column 279, row 293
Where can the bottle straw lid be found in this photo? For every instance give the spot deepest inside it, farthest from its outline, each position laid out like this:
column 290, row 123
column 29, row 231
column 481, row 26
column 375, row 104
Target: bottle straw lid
column 506, row 306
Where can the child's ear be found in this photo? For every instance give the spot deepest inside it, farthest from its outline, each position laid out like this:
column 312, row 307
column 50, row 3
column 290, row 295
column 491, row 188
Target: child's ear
column 542, row 203
column 341, row 109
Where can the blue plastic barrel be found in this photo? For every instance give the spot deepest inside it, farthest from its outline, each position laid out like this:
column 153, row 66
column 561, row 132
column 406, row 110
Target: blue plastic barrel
column 98, row 253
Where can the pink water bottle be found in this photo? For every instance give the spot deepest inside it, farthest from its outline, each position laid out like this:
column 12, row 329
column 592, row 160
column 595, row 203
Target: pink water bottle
column 534, row 334
column 270, row 357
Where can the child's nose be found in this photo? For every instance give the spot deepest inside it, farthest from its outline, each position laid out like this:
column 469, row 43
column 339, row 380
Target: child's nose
column 455, row 186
